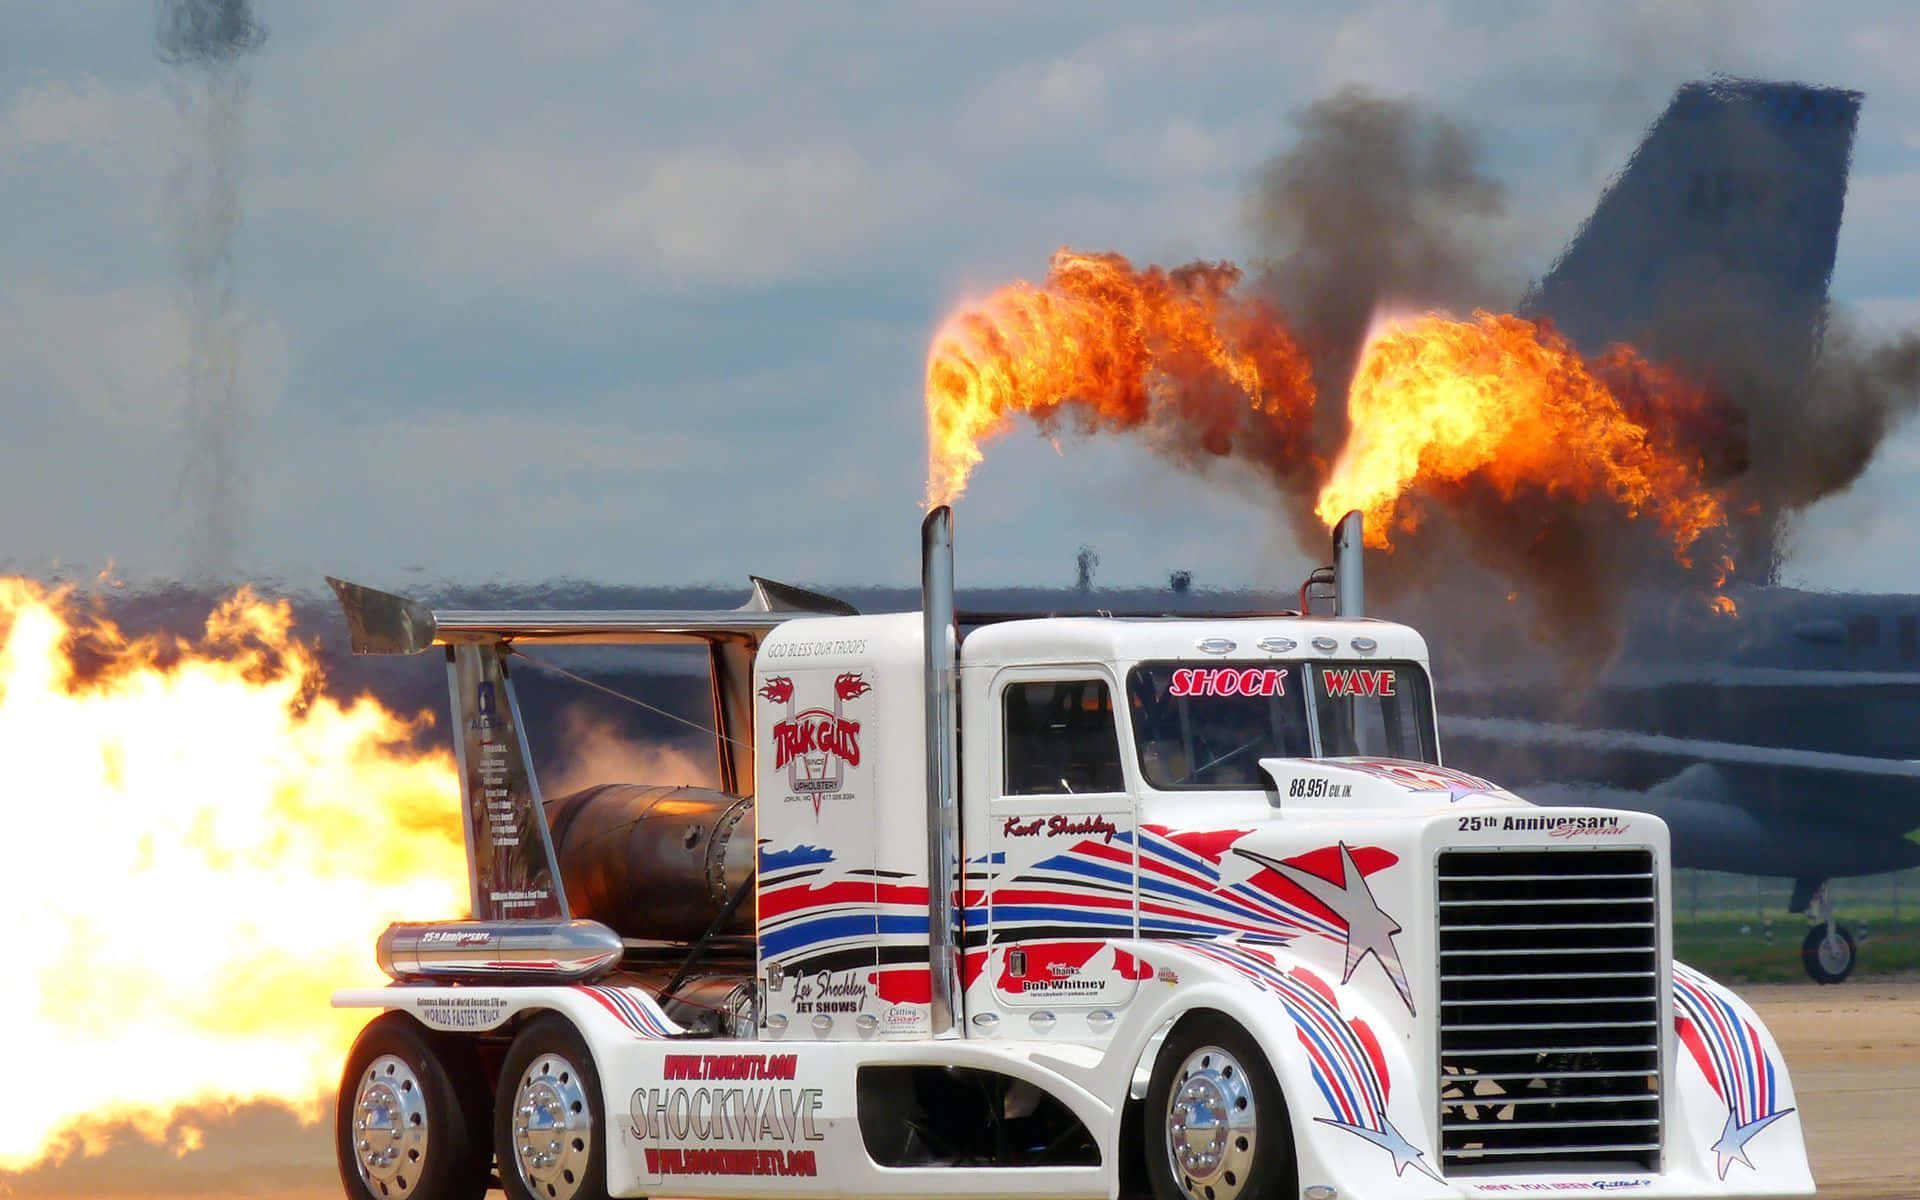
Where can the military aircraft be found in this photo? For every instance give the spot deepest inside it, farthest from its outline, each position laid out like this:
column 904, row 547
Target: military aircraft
column 1782, row 742
column 1785, row 742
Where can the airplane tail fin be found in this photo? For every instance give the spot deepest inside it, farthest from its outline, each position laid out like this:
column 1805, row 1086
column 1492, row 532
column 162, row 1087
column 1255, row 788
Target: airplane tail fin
column 1711, row 251
column 1734, row 198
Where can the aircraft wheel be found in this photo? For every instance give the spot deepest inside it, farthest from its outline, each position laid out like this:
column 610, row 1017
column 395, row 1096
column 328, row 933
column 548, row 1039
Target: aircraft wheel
column 549, row 1132
column 1828, row 960
column 1216, row 1122
column 405, row 1123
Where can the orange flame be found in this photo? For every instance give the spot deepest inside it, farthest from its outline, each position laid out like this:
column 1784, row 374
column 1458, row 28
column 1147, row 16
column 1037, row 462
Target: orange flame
column 202, row 846
column 1435, row 402
column 1116, row 347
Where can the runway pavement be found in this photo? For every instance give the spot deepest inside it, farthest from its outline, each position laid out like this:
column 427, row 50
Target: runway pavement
column 1854, row 1054
column 1853, row 1051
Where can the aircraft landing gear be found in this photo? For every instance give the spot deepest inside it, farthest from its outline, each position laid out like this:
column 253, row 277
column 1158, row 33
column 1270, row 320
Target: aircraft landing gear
column 1828, row 951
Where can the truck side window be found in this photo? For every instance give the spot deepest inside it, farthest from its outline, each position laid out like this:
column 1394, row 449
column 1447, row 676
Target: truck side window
column 1061, row 738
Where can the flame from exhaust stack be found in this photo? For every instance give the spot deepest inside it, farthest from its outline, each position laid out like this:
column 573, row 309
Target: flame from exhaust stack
column 1436, row 404
column 203, row 845
column 1113, row 347
column 1442, row 413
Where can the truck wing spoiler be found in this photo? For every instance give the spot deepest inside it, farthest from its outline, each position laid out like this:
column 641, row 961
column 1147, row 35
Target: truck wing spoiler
column 383, row 623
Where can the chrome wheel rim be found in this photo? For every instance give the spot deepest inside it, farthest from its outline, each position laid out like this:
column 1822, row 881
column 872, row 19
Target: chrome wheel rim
column 390, row 1129
column 1210, row 1125
column 552, row 1128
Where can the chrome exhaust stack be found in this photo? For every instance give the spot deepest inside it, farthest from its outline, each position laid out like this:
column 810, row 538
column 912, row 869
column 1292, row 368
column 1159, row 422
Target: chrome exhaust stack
column 942, row 642
column 1349, row 568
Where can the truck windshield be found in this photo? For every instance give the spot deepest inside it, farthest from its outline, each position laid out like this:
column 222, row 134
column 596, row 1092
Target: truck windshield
column 1379, row 710
column 1206, row 725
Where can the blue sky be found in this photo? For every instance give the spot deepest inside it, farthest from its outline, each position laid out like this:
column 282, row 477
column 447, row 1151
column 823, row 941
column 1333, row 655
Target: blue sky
column 642, row 294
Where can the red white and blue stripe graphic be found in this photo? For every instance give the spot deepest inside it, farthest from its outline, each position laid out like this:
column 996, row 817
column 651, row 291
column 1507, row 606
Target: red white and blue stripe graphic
column 1728, row 1050
column 1344, row 1056
column 1182, row 894
column 814, row 914
column 632, row 1008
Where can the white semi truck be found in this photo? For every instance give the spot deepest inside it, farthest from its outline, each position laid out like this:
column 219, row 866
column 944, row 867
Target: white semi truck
column 1208, row 920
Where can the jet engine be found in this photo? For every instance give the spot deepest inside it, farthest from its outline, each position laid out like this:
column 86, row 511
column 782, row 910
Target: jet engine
column 654, row 863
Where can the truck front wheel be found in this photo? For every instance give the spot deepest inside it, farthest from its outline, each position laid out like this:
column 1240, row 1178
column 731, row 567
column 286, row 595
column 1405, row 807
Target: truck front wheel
column 1216, row 1122
column 404, row 1123
column 549, row 1132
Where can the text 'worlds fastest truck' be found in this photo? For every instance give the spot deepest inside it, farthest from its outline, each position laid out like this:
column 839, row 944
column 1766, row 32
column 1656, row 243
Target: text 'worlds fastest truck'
column 1208, row 920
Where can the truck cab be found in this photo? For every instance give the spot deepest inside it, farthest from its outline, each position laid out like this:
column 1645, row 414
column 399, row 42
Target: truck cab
column 1082, row 905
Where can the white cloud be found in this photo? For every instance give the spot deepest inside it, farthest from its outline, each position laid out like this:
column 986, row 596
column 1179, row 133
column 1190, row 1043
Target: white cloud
column 796, row 193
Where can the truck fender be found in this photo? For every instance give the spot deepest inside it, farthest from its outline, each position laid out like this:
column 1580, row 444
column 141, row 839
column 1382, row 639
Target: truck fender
column 1340, row 1054
column 601, row 1014
column 1734, row 1115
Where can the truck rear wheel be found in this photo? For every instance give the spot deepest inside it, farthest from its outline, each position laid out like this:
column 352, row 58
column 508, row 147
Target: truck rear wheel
column 404, row 1122
column 1216, row 1122
column 549, row 1132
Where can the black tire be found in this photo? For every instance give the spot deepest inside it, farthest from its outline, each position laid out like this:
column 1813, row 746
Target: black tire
column 413, row 1096
column 1820, row 970
column 549, row 1063
column 1231, row 1083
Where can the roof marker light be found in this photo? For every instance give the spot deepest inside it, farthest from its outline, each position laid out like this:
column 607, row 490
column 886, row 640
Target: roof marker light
column 1276, row 645
column 1325, row 645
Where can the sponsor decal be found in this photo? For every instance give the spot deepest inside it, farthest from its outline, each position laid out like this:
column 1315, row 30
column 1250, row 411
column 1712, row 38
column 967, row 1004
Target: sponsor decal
column 904, row 1018
column 730, row 1066
column 1564, row 1186
column 1059, row 825
column 732, row 1162
column 762, row 1126
column 512, row 865
column 461, row 1012
column 815, row 745
column 1229, row 681
column 1559, row 827
column 1068, row 969
column 828, row 992
column 456, row 937
column 483, row 701
column 1357, row 681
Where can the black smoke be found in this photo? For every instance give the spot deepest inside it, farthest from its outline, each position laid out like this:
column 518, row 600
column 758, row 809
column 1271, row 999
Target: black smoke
column 1381, row 205
column 207, row 32
column 205, row 43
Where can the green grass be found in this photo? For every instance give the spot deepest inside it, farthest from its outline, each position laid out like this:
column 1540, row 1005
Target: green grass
column 1735, row 948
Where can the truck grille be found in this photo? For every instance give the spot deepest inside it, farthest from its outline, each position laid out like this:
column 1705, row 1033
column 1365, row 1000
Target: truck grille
column 1549, row 1009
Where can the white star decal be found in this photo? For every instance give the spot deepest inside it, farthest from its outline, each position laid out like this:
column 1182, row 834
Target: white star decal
column 1369, row 929
column 1405, row 1154
column 1732, row 1146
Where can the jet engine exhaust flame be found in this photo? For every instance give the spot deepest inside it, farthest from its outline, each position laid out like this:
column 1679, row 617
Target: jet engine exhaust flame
column 1114, row 347
column 1443, row 415
column 1437, row 404
column 206, row 845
